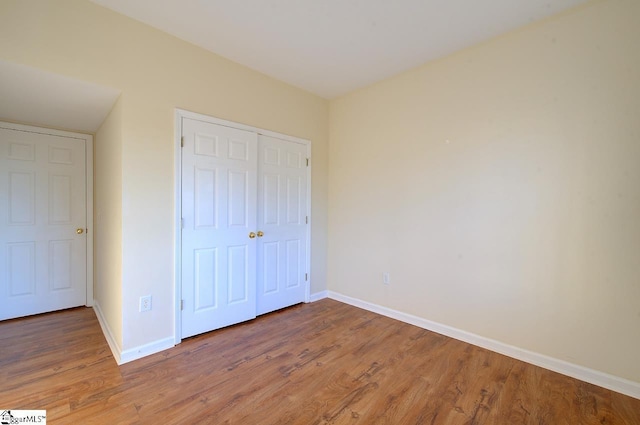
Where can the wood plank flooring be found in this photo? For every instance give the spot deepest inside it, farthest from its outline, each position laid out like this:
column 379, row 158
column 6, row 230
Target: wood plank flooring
column 320, row 363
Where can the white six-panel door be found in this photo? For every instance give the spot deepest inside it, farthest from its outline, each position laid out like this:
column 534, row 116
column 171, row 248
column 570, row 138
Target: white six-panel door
column 218, row 210
column 244, row 225
column 282, row 218
column 43, row 252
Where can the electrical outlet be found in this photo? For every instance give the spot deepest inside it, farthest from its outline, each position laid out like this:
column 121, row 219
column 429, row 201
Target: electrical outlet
column 145, row 303
column 386, row 278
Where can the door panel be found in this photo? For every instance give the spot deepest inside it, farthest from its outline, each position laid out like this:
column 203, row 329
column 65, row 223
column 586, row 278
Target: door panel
column 205, row 278
column 282, row 195
column 238, row 274
column 42, row 203
column 204, row 197
column 219, row 165
column 271, row 271
column 237, row 199
column 61, row 264
column 22, row 198
column 60, row 199
column 293, row 200
column 22, row 268
column 270, row 198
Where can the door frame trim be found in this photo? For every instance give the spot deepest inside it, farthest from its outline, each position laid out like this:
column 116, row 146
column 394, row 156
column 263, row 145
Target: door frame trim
column 180, row 114
column 88, row 153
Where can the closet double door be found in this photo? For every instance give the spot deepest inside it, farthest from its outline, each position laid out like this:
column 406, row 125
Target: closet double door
column 244, row 225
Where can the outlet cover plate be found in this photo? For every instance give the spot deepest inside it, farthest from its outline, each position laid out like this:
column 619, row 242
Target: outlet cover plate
column 145, row 303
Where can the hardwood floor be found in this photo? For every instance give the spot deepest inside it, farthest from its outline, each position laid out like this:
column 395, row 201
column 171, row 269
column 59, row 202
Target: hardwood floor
column 320, row 363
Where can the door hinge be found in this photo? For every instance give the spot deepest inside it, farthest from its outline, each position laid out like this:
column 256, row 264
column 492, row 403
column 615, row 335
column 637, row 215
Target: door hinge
column 306, row 277
column 182, row 223
column 182, row 142
column 306, row 220
column 307, row 162
column 181, row 305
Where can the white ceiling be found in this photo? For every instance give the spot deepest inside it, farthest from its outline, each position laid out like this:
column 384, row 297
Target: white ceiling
column 331, row 47
column 34, row 96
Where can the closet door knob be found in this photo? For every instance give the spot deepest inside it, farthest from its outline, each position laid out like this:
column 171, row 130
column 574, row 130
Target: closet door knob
column 260, row 233
column 252, row 235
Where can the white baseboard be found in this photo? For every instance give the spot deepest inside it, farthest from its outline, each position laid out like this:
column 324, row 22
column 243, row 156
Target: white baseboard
column 108, row 335
column 611, row 382
column 318, row 296
column 131, row 354
column 146, row 350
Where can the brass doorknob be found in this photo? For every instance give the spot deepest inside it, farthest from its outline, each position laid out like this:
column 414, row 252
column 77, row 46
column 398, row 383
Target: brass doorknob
column 260, row 233
column 79, row 231
column 252, row 235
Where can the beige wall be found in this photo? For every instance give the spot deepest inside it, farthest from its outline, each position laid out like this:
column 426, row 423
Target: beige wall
column 157, row 73
column 500, row 187
column 107, row 222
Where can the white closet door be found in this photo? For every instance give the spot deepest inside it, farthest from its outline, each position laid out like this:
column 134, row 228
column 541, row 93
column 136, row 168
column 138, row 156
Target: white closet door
column 282, row 214
column 219, row 172
column 43, row 252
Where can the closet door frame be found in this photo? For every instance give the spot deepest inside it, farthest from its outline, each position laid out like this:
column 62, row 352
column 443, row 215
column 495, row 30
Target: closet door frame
column 180, row 114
